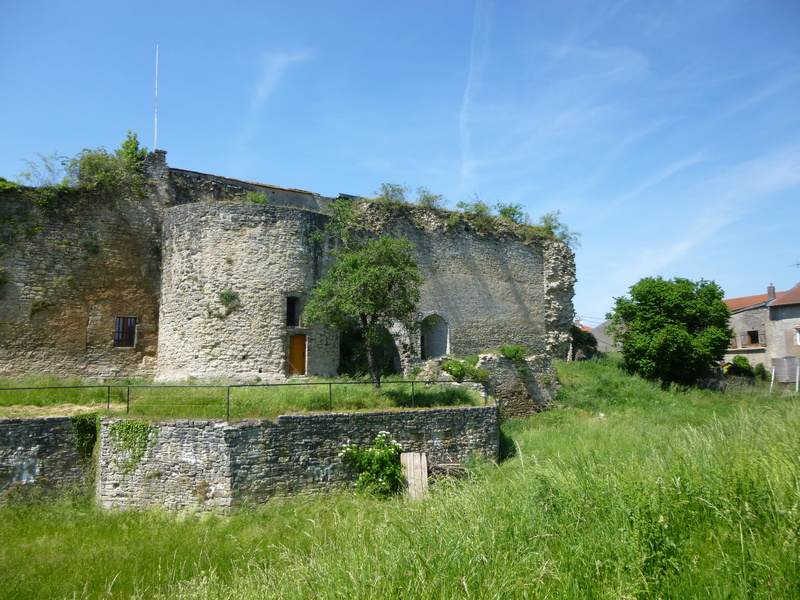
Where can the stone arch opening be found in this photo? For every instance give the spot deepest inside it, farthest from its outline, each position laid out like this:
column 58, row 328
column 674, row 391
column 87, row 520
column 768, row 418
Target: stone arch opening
column 434, row 337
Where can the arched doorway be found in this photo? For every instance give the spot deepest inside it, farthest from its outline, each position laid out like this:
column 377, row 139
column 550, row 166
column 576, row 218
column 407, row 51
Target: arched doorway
column 435, row 337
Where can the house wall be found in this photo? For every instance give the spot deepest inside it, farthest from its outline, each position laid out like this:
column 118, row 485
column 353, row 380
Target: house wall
column 263, row 254
column 210, row 465
column 756, row 319
column 785, row 320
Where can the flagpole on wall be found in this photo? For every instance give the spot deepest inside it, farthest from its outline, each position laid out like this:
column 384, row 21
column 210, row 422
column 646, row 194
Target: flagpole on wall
column 155, row 124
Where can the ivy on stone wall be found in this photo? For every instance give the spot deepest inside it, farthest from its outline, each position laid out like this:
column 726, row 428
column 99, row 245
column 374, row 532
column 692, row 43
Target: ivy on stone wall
column 132, row 439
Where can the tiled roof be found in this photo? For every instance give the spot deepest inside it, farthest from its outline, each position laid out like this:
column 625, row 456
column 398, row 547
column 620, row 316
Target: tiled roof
column 746, row 301
column 790, row 297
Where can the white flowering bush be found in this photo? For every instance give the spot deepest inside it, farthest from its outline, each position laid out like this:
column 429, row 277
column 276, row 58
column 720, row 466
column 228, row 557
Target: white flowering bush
column 379, row 468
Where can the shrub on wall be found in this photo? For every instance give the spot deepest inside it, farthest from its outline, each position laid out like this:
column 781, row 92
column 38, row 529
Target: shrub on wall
column 379, row 468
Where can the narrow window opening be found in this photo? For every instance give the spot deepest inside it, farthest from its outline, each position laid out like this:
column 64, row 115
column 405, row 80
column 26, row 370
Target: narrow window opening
column 292, row 311
column 125, row 332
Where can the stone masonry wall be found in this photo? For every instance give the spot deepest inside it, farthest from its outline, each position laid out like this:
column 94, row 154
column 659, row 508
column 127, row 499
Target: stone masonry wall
column 69, row 271
column 492, row 289
column 210, row 465
column 39, row 452
column 263, row 254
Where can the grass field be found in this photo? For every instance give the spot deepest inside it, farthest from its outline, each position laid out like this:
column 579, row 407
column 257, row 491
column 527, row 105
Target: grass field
column 41, row 395
column 622, row 491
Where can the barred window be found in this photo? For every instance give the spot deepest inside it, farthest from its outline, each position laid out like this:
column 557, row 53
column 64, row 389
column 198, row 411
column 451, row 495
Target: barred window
column 125, row 332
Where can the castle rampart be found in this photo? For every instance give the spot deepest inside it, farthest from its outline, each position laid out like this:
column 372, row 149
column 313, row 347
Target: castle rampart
column 93, row 287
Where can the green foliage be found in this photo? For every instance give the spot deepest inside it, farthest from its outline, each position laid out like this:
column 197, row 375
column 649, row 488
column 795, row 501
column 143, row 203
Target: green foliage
column 461, row 369
column 515, row 353
column 6, row 185
column 392, row 192
column 428, row 199
column 228, row 298
column 104, row 174
column 372, row 284
column 85, row 426
column 130, row 153
column 379, row 468
column 760, row 372
column 740, row 367
column 132, row 438
column 513, row 213
column 583, row 341
column 551, row 225
column 48, row 171
column 478, row 214
column 254, row 197
column 672, row 330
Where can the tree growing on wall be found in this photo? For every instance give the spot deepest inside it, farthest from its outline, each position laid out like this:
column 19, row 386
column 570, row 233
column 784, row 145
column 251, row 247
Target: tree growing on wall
column 672, row 330
column 373, row 283
column 96, row 171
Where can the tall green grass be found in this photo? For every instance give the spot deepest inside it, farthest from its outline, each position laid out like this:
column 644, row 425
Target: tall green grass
column 666, row 494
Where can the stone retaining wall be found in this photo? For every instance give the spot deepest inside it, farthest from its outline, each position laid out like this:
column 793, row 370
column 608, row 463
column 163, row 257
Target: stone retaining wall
column 211, row 465
column 39, row 451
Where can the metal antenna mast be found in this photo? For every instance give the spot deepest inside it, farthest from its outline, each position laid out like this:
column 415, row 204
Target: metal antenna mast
column 155, row 125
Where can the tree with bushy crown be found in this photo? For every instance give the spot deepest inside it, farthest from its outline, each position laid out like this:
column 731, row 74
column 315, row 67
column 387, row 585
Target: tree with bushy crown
column 672, row 330
column 373, row 283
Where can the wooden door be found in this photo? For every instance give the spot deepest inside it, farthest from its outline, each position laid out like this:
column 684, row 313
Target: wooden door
column 297, row 355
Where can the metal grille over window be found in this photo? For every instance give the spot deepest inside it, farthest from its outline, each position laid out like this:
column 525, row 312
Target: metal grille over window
column 125, row 332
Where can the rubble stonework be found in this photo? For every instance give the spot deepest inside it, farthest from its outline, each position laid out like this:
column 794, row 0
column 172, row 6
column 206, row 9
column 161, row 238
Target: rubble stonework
column 70, row 274
column 215, row 466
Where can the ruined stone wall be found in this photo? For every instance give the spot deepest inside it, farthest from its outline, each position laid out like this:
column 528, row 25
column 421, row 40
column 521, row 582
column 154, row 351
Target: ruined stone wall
column 39, row 452
column 210, row 465
column 69, row 270
column 492, row 288
column 262, row 254
column 189, row 186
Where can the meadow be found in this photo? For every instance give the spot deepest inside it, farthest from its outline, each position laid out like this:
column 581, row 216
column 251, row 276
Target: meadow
column 624, row 490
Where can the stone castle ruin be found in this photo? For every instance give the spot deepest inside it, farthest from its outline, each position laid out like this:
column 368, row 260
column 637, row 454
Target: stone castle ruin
column 190, row 280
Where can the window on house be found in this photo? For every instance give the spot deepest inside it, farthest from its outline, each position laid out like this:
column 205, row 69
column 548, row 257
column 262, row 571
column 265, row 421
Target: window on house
column 797, row 337
column 732, row 342
column 754, row 338
column 292, row 311
column 125, row 332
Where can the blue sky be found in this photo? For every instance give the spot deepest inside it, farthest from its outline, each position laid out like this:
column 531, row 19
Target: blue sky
column 667, row 133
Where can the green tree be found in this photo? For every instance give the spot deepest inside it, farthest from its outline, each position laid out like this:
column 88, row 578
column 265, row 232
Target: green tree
column 672, row 330
column 551, row 225
column 373, row 284
column 513, row 213
column 392, row 192
column 428, row 199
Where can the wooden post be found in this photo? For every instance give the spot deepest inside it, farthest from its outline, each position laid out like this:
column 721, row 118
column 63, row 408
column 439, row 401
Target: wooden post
column 415, row 470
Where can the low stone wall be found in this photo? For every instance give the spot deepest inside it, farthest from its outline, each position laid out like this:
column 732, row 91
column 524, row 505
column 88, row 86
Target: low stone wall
column 39, row 452
column 212, row 465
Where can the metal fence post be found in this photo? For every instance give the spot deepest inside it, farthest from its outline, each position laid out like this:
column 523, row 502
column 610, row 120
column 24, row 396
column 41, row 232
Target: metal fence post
column 108, row 398
column 412, row 393
column 128, row 401
column 228, row 406
column 330, row 397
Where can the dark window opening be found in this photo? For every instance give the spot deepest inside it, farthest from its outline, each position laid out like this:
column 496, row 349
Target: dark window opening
column 292, row 311
column 125, row 332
